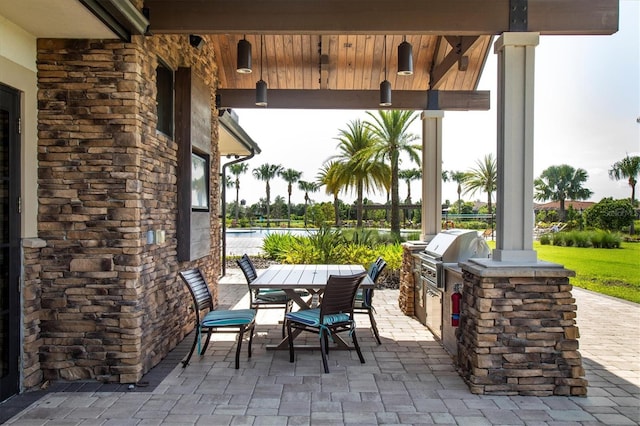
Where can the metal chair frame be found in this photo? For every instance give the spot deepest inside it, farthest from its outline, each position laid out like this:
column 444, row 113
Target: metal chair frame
column 338, row 299
column 202, row 299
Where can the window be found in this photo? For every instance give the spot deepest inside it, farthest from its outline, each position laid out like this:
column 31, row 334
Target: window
column 199, row 182
column 164, row 99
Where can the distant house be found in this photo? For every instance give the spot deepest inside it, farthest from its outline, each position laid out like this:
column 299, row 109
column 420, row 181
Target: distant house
column 555, row 206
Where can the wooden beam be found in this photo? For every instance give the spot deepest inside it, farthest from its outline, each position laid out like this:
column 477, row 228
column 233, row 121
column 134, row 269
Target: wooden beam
column 460, row 46
column 432, row 17
column 358, row 99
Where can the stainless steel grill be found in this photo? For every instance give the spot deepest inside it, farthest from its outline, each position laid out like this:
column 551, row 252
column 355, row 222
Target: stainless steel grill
column 451, row 246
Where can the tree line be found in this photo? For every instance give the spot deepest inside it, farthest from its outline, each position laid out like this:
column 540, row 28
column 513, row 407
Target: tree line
column 368, row 159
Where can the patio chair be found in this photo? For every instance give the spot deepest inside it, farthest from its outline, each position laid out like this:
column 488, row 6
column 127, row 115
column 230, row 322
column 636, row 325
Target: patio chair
column 215, row 321
column 265, row 298
column 335, row 315
column 364, row 297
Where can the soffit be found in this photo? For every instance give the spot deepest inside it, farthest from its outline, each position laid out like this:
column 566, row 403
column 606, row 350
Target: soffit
column 55, row 19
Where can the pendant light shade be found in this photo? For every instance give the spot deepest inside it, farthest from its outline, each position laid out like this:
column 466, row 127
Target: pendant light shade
column 385, row 85
column 261, row 85
column 385, row 93
column 405, row 58
column 244, row 57
column 261, row 93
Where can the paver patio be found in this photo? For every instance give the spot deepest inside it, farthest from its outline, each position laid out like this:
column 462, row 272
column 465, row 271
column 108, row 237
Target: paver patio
column 409, row 379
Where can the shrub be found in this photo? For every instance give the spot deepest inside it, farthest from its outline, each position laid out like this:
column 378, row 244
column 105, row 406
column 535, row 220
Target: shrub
column 362, row 236
column 611, row 240
column 356, row 254
column 277, row 245
column 392, row 254
column 545, row 239
column 413, row 236
column 558, row 239
column 597, row 239
column 610, row 214
column 472, row 224
column 325, row 243
column 580, row 239
column 302, row 251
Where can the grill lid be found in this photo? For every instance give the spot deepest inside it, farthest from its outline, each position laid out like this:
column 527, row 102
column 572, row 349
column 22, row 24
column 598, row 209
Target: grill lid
column 457, row 245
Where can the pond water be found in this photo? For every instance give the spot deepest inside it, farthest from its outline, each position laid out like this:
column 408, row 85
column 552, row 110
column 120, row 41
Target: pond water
column 263, row 232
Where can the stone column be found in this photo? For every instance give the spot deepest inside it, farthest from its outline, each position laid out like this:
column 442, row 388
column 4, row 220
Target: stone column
column 517, row 333
column 431, row 173
column 514, row 209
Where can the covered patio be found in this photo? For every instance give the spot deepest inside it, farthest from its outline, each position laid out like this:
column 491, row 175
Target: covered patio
column 409, row 379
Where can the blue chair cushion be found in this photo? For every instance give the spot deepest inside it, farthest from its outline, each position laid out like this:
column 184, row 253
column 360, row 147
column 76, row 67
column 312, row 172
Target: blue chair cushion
column 228, row 317
column 276, row 295
column 271, row 295
column 311, row 317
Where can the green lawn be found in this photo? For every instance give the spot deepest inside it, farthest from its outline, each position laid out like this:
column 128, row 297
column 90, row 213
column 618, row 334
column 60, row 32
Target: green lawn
column 615, row 272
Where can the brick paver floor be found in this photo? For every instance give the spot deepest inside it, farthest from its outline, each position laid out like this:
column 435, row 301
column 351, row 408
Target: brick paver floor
column 409, row 379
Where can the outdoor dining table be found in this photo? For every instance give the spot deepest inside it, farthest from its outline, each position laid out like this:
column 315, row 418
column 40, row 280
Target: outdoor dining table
column 312, row 278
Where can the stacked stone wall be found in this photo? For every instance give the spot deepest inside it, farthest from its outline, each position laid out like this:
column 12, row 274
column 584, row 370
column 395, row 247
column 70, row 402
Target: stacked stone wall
column 518, row 335
column 407, row 284
column 31, row 309
column 112, row 305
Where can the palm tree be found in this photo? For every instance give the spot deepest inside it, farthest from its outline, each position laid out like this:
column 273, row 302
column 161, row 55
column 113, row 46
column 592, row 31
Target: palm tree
column 329, row 176
column 458, row 177
column 483, row 178
column 290, row 176
column 627, row 168
column 307, row 187
column 391, row 129
column 266, row 172
column 238, row 169
column 356, row 171
column 408, row 176
column 559, row 183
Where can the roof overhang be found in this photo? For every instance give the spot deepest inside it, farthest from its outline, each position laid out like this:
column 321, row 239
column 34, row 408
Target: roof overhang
column 335, row 53
column 76, row 19
column 233, row 140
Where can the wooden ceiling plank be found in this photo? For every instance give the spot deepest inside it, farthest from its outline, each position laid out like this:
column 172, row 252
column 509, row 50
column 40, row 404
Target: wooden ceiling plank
column 270, row 62
column 418, row 59
column 360, row 48
column 367, row 66
column 342, row 63
column 428, row 66
column 334, row 62
column 227, row 52
column 295, row 60
column 310, row 72
column 355, row 99
column 441, row 17
column 350, row 54
column 324, row 62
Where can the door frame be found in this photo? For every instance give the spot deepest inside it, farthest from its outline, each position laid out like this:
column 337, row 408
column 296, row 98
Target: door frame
column 10, row 384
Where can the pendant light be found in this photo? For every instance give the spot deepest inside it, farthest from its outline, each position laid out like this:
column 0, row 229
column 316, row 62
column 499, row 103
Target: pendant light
column 244, row 57
column 385, row 86
column 405, row 57
column 261, row 85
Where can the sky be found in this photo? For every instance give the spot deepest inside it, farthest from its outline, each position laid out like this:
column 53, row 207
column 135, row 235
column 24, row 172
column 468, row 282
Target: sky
column 587, row 115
